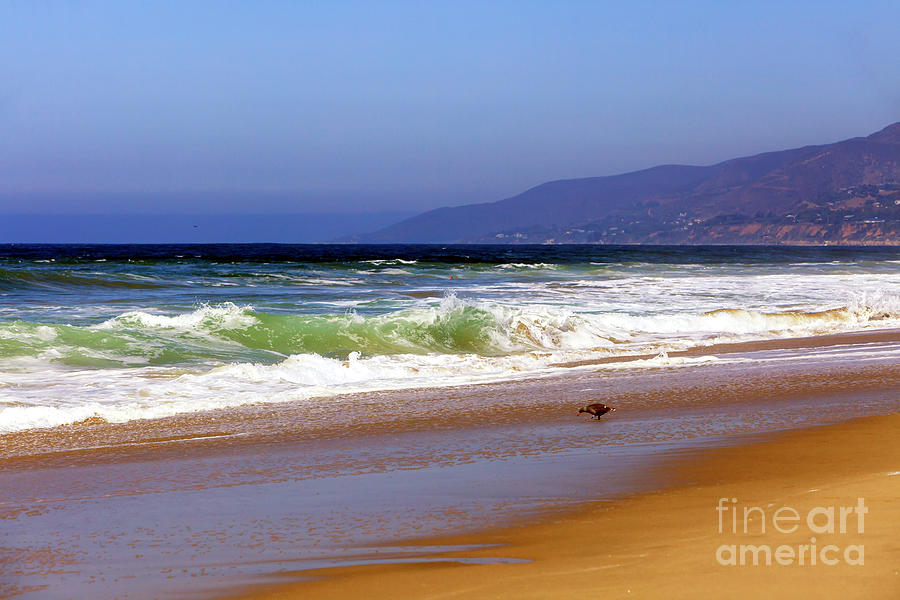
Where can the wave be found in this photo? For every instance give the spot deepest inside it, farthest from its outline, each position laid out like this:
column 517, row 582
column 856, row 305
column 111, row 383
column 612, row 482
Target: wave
column 11, row 279
column 229, row 332
column 390, row 261
column 126, row 394
column 453, row 327
column 145, row 365
column 517, row 266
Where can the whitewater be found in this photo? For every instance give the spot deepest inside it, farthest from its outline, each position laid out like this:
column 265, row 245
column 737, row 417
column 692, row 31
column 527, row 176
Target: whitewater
column 119, row 333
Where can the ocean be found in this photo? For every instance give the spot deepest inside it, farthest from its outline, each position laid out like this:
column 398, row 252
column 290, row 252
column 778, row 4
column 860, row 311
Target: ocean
column 118, row 333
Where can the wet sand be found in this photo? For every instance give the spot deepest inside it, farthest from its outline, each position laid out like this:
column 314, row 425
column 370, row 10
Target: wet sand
column 205, row 504
column 664, row 544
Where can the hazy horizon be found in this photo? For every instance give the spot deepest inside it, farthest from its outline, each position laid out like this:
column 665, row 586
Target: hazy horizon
column 348, row 108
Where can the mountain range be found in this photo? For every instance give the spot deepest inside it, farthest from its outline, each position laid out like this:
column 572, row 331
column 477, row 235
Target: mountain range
column 847, row 192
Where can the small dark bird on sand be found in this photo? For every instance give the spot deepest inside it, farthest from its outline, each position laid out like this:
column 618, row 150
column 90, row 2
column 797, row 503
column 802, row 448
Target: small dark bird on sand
column 596, row 410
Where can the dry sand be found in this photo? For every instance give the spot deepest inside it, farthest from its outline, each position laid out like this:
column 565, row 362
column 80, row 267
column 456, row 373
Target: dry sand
column 663, row 544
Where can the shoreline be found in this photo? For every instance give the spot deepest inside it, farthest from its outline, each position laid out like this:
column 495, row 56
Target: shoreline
column 872, row 336
column 237, row 497
column 664, row 543
column 97, row 435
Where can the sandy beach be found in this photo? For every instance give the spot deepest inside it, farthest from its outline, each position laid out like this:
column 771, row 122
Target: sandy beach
column 664, row 544
column 441, row 301
column 494, row 490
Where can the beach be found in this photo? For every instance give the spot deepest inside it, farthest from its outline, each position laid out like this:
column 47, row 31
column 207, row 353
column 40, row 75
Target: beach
column 161, row 443
column 663, row 544
column 241, row 502
column 440, row 301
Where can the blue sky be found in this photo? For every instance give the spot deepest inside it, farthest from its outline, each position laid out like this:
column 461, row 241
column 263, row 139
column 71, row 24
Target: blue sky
column 323, row 107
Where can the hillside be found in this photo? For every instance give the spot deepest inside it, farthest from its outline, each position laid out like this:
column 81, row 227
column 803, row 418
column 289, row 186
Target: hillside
column 847, row 192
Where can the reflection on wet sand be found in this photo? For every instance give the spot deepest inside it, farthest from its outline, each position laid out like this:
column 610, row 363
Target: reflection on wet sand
column 233, row 496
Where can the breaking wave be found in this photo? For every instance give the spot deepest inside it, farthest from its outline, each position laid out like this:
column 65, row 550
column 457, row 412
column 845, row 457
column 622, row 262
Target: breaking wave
column 147, row 365
column 228, row 332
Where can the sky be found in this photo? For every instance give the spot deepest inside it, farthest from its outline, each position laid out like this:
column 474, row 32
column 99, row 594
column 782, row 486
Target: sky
column 265, row 107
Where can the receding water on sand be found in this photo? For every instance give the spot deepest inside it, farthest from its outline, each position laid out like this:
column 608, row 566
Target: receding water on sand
column 201, row 511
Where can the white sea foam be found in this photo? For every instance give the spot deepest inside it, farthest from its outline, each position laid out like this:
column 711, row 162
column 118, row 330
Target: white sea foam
column 127, row 394
column 521, row 329
column 223, row 316
column 543, row 266
column 391, row 261
column 119, row 395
